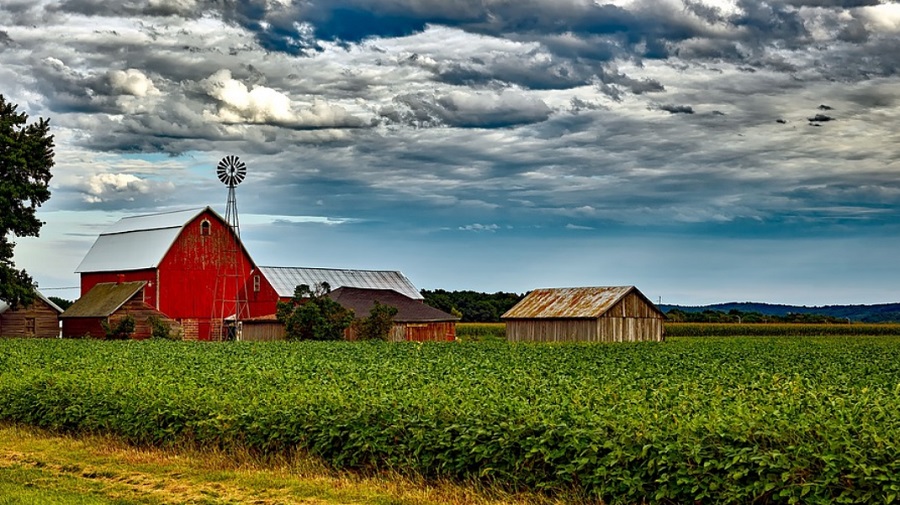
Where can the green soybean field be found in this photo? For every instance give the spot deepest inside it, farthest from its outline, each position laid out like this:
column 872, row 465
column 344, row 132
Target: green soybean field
column 709, row 420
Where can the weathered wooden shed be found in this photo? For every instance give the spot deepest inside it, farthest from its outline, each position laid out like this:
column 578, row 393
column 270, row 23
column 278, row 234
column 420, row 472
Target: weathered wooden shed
column 585, row 314
column 111, row 302
column 39, row 319
column 415, row 321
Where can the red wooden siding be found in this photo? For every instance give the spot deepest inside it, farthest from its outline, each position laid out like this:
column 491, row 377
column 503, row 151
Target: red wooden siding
column 91, row 279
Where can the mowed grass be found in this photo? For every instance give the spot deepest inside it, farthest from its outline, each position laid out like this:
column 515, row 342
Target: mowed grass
column 42, row 468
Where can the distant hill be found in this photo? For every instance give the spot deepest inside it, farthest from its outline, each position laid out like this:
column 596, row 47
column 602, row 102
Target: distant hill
column 879, row 313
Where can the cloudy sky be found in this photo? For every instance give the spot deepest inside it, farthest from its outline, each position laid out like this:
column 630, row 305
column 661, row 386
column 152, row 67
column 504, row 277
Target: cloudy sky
column 702, row 150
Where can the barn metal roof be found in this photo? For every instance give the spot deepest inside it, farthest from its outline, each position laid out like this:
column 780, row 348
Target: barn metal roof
column 285, row 279
column 137, row 242
column 103, row 299
column 362, row 300
column 585, row 302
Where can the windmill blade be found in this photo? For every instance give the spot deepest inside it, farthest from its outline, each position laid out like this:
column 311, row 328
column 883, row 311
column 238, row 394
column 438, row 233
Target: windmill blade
column 231, row 170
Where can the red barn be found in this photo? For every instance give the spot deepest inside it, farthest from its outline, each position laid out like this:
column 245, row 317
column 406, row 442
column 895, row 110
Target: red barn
column 194, row 265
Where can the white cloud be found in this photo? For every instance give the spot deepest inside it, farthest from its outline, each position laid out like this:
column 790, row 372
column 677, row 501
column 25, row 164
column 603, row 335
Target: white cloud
column 132, row 82
column 264, row 105
column 119, row 187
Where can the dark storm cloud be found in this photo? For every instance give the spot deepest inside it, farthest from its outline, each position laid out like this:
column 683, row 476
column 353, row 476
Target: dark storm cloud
column 677, row 109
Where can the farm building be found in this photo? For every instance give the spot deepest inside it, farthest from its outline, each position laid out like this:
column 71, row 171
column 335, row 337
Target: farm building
column 415, row 321
column 586, row 314
column 39, row 319
column 111, row 302
column 192, row 263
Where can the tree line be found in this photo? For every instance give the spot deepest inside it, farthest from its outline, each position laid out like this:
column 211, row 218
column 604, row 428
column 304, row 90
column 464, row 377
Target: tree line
column 472, row 306
column 738, row 316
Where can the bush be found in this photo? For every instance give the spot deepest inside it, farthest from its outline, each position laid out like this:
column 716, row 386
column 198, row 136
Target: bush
column 121, row 331
column 312, row 315
column 379, row 323
column 161, row 329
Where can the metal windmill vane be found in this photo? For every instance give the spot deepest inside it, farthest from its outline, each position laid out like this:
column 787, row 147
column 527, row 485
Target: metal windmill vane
column 232, row 171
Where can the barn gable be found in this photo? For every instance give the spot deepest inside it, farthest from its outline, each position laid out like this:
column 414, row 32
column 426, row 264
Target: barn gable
column 285, row 279
column 140, row 242
column 589, row 314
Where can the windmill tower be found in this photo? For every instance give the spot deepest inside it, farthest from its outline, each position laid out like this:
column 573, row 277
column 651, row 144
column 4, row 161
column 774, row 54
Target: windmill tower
column 231, row 171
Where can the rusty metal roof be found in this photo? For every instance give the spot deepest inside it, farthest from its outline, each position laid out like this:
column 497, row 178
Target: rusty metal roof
column 103, row 299
column 285, row 279
column 586, row 302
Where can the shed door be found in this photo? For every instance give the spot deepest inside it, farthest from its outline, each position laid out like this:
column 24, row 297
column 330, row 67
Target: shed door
column 29, row 325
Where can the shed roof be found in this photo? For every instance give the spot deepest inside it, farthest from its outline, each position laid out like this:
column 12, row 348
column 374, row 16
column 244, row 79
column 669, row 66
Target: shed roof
column 5, row 306
column 285, row 279
column 362, row 300
column 583, row 302
column 138, row 242
column 103, row 299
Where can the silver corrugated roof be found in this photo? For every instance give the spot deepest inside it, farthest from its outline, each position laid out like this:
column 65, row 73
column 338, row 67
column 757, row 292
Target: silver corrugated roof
column 176, row 219
column 587, row 302
column 285, row 279
column 136, row 243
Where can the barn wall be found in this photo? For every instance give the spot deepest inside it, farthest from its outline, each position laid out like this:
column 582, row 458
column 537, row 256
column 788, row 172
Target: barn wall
column 91, row 279
column 14, row 323
column 267, row 331
column 429, row 332
column 79, row 327
column 199, row 272
column 264, row 301
column 552, row 330
column 609, row 329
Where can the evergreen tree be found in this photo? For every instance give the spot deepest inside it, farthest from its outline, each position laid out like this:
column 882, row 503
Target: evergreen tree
column 26, row 156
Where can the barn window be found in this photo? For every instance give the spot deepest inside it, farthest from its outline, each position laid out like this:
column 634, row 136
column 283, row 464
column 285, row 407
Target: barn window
column 256, row 284
column 29, row 326
column 204, row 228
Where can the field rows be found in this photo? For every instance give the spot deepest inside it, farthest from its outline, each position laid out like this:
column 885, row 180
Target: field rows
column 815, row 420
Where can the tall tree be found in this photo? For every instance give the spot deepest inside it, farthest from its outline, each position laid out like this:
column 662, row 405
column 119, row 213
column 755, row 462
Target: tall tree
column 26, row 156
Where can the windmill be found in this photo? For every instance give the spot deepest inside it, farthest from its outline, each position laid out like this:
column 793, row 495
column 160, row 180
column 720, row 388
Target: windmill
column 231, row 171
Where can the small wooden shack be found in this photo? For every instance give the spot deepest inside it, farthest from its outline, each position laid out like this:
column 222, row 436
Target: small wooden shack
column 111, row 302
column 415, row 321
column 39, row 319
column 585, row 314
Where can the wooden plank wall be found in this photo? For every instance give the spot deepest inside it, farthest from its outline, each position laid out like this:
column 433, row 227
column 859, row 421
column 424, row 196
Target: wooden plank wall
column 262, row 332
column 13, row 323
column 551, row 330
